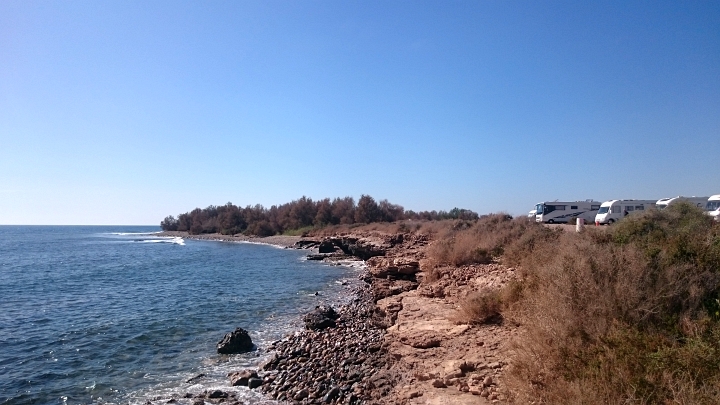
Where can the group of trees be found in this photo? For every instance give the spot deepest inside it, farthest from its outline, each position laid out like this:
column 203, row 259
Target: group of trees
column 230, row 219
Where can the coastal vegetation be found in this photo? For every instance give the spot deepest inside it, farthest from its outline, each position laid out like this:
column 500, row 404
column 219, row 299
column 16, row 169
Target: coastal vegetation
column 299, row 216
column 628, row 313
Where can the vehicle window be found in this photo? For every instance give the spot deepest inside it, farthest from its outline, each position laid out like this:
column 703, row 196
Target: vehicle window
column 594, row 207
column 615, row 209
column 639, row 207
column 560, row 207
column 573, row 207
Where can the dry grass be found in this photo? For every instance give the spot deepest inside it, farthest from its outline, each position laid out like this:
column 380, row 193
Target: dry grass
column 406, row 226
column 490, row 238
column 431, row 274
column 488, row 306
column 479, row 308
column 625, row 315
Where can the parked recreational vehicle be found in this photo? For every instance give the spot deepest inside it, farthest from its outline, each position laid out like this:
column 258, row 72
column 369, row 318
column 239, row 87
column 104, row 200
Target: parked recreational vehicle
column 563, row 211
column 532, row 213
column 713, row 207
column 699, row 202
column 614, row 210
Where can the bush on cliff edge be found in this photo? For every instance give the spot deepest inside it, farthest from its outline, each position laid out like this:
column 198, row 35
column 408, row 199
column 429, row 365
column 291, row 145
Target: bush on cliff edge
column 494, row 236
column 625, row 314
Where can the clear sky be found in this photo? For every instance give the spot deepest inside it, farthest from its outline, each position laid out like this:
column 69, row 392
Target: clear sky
column 123, row 112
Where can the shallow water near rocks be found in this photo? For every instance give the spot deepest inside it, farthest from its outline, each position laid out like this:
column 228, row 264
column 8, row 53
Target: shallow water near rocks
column 120, row 315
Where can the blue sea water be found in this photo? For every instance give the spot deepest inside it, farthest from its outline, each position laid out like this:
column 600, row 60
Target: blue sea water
column 92, row 315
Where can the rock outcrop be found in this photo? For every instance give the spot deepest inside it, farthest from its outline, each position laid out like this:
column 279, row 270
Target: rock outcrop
column 322, row 317
column 241, row 378
column 394, row 268
column 237, row 341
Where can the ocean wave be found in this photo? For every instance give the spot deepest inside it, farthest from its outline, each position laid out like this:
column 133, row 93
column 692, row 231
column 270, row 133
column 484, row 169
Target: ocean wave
column 132, row 233
column 176, row 240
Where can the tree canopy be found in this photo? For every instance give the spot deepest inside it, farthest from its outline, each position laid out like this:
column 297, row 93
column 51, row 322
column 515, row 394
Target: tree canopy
column 230, row 219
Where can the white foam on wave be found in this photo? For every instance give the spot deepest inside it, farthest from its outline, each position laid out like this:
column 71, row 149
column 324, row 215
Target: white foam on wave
column 132, row 233
column 250, row 242
column 210, row 375
column 176, row 240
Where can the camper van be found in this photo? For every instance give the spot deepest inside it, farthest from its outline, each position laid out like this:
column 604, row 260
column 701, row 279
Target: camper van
column 699, row 202
column 560, row 212
column 614, row 210
column 712, row 207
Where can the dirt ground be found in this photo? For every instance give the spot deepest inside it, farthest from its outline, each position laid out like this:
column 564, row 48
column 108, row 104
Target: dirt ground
column 441, row 360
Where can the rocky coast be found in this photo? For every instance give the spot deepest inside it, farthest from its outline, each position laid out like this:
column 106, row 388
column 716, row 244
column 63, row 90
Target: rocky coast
column 398, row 341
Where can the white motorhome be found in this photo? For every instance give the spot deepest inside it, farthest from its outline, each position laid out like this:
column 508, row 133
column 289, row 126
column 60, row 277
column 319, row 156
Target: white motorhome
column 560, row 212
column 712, row 207
column 615, row 210
column 532, row 213
column 699, row 202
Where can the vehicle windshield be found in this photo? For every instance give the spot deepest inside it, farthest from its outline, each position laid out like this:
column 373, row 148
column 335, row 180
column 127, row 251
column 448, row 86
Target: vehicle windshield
column 712, row 205
column 661, row 206
column 539, row 209
column 603, row 210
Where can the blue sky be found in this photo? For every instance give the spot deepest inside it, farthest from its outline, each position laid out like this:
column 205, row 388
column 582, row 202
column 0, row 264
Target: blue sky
column 122, row 112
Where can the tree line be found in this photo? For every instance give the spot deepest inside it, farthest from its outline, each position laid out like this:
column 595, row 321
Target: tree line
column 230, row 219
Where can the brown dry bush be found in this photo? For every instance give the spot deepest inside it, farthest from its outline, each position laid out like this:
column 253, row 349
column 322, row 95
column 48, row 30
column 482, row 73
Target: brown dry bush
column 489, row 305
column 435, row 229
column 431, row 274
column 627, row 315
column 489, row 238
column 425, row 227
column 479, row 307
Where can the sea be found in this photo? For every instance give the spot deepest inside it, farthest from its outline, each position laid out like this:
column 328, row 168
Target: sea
column 121, row 315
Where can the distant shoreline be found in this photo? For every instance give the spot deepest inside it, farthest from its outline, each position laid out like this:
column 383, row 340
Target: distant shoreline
column 277, row 240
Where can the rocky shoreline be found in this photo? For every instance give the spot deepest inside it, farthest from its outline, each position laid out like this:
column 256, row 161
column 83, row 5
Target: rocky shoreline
column 395, row 342
column 344, row 364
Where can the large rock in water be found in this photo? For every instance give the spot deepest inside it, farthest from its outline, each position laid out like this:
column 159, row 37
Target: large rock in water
column 235, row 342
column 322, row 317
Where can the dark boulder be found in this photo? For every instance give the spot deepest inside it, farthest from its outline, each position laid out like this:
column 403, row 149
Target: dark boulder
column 217, row 394
column 302, row 394
column 254, row 383
column 331, row 395
column 322, row 317
column 327, row 246
column 235, row 342
column 305, row 244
